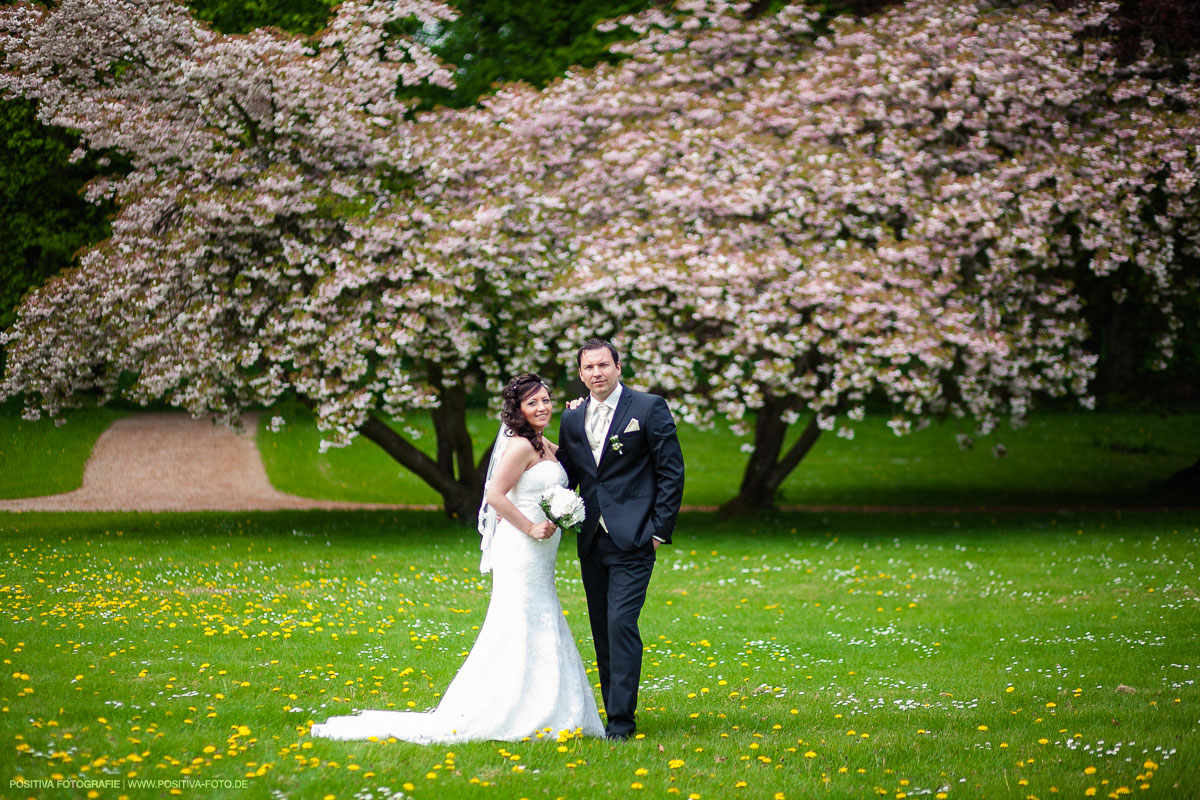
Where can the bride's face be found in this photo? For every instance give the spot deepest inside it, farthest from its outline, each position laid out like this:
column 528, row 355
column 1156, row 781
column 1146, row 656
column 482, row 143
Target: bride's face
column 537, row 409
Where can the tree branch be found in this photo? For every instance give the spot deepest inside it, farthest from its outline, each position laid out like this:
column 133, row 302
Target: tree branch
column 409, row 456
column 797, row 452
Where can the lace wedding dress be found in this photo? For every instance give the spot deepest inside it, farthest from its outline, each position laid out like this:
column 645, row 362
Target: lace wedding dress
column 524, row 674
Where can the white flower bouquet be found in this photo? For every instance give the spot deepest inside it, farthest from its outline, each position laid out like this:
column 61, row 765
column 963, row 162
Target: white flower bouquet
column 564, row 508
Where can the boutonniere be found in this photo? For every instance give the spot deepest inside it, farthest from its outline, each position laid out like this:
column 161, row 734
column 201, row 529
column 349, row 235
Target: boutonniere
column 614, row 442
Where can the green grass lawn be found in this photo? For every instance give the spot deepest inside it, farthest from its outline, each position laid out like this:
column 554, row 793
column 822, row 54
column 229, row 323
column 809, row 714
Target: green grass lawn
column 40, row 458
column 794, row 655
column 1059, row 459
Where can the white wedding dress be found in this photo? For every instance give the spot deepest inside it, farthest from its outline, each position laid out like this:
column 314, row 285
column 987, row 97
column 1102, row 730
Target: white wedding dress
column 524, row 675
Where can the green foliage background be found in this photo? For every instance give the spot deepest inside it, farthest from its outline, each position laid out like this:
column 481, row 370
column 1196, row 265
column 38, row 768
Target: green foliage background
column 43, row 218
column 531, row 41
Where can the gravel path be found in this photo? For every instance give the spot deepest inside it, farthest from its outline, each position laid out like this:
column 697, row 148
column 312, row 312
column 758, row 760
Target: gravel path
column 171, row 462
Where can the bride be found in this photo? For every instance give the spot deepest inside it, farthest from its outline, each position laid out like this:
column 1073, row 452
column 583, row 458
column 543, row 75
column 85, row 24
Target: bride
column 524, row 675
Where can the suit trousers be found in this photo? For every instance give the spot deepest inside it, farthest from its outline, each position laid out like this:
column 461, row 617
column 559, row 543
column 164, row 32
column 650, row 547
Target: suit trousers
column 615, row 582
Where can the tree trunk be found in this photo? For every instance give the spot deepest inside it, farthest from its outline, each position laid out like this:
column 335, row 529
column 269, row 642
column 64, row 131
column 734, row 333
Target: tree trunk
column 766, row 471
column 454, row 405
column 1117, row 370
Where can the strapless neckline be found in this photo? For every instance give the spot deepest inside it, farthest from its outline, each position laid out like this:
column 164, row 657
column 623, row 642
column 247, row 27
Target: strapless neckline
column 534, row 482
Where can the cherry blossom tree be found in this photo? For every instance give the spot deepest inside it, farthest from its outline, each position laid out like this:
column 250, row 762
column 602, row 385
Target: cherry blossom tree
column 780, row 224
column 280, row 229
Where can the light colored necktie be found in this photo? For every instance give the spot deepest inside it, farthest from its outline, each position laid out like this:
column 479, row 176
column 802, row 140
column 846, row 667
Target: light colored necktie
column 597, row 428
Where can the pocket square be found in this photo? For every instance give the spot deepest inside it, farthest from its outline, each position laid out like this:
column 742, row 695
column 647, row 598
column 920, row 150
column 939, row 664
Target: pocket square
column 632, row 426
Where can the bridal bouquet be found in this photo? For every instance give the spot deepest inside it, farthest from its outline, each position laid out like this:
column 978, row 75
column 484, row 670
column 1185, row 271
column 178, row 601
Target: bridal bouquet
column 563, row 507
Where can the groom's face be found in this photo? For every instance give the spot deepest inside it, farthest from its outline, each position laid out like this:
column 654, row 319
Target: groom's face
column 599, row 372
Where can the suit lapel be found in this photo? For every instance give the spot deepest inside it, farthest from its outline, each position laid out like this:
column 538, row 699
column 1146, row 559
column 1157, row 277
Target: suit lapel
column 617, row 423
column 579, row 434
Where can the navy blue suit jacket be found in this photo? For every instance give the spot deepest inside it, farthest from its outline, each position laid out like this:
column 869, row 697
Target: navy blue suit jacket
column 637, row 487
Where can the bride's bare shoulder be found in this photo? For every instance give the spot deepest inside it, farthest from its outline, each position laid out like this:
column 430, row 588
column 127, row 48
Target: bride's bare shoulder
column 518, row 448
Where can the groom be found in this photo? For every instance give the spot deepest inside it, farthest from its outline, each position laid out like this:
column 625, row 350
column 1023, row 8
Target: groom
column 620, row 448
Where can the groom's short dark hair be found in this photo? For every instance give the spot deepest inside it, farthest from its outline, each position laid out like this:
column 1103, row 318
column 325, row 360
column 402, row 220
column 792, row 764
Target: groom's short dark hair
column 596, row 344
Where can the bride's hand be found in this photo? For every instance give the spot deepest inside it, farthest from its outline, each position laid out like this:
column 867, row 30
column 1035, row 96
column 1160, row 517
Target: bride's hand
column 542, row 530
column 576, row 403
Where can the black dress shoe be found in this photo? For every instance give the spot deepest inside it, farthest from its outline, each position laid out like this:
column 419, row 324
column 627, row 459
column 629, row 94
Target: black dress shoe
column 619, row 737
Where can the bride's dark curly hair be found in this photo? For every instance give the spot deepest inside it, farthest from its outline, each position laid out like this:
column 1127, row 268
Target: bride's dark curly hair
column 518, row 389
